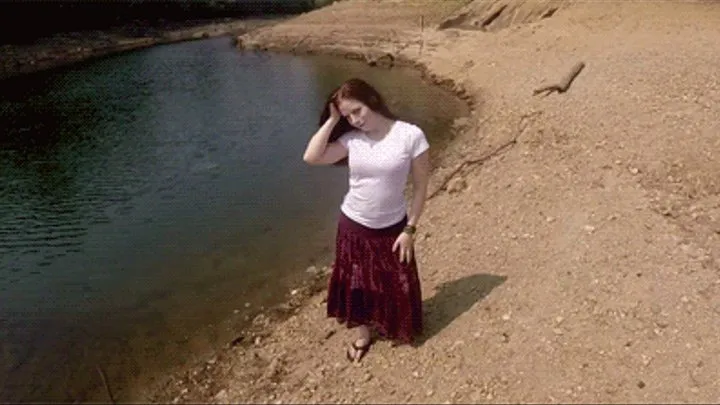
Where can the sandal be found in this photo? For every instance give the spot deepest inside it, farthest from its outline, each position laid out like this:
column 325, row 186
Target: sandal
column 358, row 352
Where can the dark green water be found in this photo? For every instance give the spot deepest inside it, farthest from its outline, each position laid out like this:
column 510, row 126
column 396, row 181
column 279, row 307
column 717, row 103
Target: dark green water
column 146, row 197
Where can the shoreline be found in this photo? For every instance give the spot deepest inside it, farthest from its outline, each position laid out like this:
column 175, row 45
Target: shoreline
column 200, row 382
column 577, row 233
column 199, row 379
column 47, row 56
column 66, row 49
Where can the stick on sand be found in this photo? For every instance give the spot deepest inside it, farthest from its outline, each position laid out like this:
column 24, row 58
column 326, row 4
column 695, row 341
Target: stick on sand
column 564, row 83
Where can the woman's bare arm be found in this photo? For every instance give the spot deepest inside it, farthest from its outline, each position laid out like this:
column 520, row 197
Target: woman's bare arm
column 321, row 152
column 420, row 178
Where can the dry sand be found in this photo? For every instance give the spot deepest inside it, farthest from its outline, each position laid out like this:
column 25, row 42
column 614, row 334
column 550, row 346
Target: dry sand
column 577, row 264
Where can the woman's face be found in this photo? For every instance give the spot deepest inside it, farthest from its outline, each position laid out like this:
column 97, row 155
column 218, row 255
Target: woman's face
column 358, row 114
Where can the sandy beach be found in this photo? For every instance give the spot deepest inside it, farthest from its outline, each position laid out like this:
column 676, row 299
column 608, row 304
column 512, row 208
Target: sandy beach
column 569, row 252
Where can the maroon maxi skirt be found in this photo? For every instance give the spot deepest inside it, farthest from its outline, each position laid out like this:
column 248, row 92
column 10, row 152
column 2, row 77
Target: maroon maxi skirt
column 369, row 284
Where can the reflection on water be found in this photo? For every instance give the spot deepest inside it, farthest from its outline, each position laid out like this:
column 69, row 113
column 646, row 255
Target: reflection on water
column 145, row 197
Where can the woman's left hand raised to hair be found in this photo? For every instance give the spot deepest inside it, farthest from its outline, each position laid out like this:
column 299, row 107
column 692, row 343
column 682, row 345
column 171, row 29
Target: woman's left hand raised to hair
column 404, row 245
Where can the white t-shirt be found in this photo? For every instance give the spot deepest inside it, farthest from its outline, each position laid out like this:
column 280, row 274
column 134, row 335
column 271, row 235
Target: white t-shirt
column 379, row 172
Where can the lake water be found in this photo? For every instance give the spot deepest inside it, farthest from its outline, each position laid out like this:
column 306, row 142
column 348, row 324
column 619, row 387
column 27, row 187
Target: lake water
column 145, row 198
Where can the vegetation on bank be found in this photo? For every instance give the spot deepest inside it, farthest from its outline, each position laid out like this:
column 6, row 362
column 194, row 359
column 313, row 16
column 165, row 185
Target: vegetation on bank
column 26, row 21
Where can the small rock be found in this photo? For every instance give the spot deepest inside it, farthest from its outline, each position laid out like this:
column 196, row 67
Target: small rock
column 456, row 185
column 273, row 369
column 461, row 122
column 634, row 170
column 222, row 396
column 641, row 384
column 312, row 270
column 416, row 374
column 589, row 228
column 430, row 393
column 506, row 317
column 558, row 331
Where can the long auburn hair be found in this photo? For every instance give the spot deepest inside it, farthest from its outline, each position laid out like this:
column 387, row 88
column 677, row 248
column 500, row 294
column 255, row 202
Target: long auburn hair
column 356, row 89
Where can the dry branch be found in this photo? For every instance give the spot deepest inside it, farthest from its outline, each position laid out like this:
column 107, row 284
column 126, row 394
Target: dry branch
column 564, row 83
column 105, row 383
column 482, row 159
column 294, row 47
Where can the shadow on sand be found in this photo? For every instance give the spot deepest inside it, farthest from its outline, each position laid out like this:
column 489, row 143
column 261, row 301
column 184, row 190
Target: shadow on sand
column 452, row 299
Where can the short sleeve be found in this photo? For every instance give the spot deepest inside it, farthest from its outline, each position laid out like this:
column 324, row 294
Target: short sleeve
column 345, row 138
column 418, row 142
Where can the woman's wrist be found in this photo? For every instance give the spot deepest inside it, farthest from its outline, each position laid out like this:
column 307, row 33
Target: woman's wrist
column 410, row 229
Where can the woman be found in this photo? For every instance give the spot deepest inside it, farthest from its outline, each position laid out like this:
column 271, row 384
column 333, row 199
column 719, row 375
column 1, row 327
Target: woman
column 374, row 282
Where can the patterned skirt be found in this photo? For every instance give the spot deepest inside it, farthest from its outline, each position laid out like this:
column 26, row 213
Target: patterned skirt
column 370, row 286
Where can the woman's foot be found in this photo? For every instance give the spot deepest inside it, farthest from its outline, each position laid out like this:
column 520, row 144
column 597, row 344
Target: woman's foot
column 357, row 350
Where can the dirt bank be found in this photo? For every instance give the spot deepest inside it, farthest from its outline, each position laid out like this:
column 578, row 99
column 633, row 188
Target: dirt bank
column 579, row 262
column 68, row 48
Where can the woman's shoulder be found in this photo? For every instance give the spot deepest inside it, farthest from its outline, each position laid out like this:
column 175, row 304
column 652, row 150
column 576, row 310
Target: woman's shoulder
column 408, row 128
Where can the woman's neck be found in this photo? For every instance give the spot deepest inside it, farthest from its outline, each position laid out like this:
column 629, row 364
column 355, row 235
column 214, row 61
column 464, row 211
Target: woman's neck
column 383, row 129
